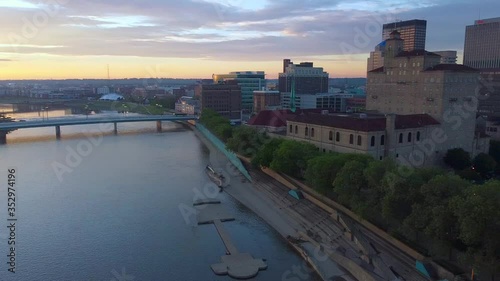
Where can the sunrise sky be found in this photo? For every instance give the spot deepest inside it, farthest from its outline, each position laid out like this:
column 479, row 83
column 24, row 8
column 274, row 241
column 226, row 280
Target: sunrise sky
column 54, row 39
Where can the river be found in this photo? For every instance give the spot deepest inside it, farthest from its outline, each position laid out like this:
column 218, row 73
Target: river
column 95, row 206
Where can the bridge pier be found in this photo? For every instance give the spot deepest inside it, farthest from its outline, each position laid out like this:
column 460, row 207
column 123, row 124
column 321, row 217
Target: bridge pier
column 115, row 130
column 3, row 137
column 58, row 132
column 158, row 126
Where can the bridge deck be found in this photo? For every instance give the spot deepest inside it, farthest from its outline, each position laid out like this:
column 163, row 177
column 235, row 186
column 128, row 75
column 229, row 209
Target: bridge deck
column 81, row 121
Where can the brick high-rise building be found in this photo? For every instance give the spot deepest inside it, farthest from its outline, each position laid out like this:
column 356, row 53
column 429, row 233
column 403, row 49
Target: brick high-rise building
column 223, row 98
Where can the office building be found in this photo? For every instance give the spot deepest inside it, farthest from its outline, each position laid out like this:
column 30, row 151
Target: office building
column 224, row 98
column 482, row 44
column 416, row 82
column 307, row 78
column 265, row 100
column 249, row 81
column 413, row 32
column 376, row 58
column 447, row 57
column 335, row 101
column 482, row 51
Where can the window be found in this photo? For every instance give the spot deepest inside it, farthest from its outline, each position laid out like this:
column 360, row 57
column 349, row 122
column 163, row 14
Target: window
column 382, row 140
column 296, row 129
column 312, row 132
column 401, row 138
column 291, row 127
column 409, row 137
column 372, row 142
column 306, row 131
column 338, row 136
column 351, row 139
column 330, row 135
column 418, row 136
column 359, row 140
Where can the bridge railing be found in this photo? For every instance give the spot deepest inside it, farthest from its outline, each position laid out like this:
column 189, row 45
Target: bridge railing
column 221, row 146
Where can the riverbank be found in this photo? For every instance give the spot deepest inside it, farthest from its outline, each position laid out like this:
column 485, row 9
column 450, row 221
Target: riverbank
column 277, row 217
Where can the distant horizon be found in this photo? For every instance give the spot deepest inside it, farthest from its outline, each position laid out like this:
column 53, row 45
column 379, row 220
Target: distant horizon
column 138, row 78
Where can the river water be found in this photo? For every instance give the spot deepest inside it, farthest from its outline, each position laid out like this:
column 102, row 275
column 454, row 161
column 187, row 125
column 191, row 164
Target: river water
column 95, row 206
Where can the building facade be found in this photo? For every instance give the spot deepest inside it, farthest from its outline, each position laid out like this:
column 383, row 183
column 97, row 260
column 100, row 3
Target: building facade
column 447, row 57
column 307, row 78
column 188, row 105
column 482, row 44
column 263, row 100
column 417, row 83
column 380, row 136
column 335, row 101
column 224, row 99
column 249, row 81
column 482, row 51
column 413, row 32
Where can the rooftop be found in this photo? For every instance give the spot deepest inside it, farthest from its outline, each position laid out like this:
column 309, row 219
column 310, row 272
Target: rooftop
column 452, row 67
column 367, row 123
column 417, row 53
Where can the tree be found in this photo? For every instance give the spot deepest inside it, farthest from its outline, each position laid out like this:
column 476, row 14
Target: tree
column 246, row 141
column 322, row 170
column 292, row 156
column 432, row 214
column 349, row 182
column 265, row 154
column 457, row 159
column 484, row 164
column 477, row 211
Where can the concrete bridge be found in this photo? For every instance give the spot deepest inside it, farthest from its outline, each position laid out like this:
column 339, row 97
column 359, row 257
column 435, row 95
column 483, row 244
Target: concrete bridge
column 57, row 123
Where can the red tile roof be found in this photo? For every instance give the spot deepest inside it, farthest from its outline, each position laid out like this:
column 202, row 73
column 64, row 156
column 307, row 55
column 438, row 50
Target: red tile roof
column 277, row 118
column 269, row 118
column 414, row 121
column 368, row 124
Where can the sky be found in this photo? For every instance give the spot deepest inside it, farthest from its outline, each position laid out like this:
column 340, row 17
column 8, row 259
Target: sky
column 60, row 39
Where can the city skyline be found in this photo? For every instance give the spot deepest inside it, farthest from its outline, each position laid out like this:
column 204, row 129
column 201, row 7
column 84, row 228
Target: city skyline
column 64, row 39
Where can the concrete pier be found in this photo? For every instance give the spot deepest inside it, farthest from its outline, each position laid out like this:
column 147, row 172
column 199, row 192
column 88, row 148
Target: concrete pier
column 58, row 132
column 235, row 264
column 158, row 126
column 115, row 128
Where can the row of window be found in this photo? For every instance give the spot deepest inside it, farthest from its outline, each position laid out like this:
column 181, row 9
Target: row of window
column 359, row 139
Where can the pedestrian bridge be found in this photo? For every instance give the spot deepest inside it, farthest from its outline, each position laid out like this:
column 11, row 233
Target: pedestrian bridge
column 57, row 123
